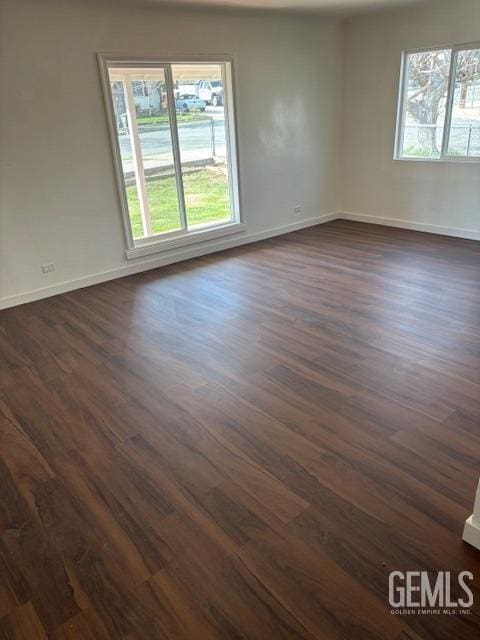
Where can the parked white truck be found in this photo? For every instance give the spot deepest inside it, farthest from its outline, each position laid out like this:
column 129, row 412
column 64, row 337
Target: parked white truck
column 211, row 91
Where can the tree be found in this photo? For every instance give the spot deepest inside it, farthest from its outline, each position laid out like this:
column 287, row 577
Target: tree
column 119, row 106
column 157, row 91
column 428, row 80
column 468, row 74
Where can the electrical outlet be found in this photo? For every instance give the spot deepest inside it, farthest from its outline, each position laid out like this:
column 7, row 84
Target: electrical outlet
column 48, row 267
column 297, row 211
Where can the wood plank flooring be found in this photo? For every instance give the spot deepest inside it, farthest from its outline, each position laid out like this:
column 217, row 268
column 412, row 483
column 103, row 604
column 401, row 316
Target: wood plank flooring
column 243, row 446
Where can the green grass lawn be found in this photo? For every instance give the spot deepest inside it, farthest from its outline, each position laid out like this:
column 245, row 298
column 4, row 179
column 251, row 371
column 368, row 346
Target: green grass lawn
column 189, row 116
column 423, row 152
column 206, row 200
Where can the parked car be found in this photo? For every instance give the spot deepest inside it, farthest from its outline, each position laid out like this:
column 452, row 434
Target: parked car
column 211, row 91
column 187, row 101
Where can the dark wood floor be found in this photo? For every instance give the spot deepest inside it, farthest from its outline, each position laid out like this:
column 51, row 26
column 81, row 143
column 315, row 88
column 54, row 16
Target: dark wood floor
column 243, row 446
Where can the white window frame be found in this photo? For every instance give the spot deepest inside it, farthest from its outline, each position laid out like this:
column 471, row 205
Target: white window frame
column 165, row 241
column 402, row 100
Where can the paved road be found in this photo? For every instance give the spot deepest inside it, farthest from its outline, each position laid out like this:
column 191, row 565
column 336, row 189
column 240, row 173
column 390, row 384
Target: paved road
column 197, row 141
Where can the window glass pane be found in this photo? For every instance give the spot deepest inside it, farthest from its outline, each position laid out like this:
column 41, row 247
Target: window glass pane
column 153, row 124
column 143, row 99
column 200, row 107
column 426, row 91
column 144, row 136
column 465, row 125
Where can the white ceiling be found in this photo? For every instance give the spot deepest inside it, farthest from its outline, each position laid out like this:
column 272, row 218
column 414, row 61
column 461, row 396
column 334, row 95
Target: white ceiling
column 347, row 7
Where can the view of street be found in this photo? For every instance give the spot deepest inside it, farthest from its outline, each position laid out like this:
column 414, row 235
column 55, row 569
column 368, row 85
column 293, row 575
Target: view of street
column 158, row 200
column 201, row 138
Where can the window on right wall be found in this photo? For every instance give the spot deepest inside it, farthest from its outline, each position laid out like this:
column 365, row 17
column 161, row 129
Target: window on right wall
column 439, row 105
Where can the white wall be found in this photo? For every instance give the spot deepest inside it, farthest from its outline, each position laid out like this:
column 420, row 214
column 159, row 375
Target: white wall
column 58, row 199
column 445, row 195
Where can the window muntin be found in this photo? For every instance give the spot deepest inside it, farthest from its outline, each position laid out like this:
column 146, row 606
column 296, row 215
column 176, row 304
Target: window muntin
column 439, row 110
column 173, row 135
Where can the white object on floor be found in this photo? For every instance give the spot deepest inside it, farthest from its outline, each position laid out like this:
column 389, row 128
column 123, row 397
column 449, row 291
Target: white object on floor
column 471, row 531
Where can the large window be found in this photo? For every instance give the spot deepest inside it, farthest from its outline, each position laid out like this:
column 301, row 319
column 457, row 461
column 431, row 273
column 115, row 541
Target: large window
column 439, row 104
column 172, row 130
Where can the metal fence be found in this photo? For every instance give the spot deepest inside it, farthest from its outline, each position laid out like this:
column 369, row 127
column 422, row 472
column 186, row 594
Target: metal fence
column 202, row 139
column 426, row 140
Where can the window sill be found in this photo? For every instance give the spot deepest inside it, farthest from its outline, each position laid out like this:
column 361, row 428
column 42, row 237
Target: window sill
column 195, row 237
column 444, row 160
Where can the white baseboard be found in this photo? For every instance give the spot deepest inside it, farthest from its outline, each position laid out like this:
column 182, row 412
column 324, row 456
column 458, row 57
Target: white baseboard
column 456, row 232
column 201, row 249
column 471, row 533
column 230, row 242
